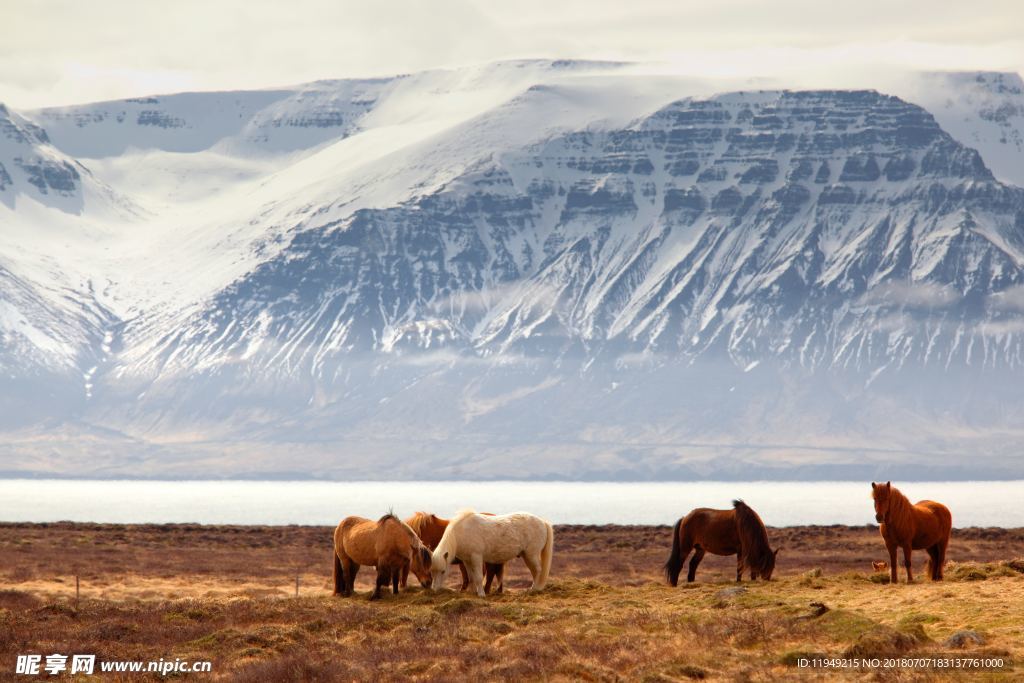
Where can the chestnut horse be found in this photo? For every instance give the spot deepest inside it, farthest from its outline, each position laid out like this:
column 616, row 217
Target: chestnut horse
column 430, row 528
column 924, row 525
column 388, row 544
column 737, row 532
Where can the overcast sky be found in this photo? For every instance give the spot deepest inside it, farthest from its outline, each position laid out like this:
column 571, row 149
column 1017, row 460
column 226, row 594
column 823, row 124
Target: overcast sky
column 64, row 51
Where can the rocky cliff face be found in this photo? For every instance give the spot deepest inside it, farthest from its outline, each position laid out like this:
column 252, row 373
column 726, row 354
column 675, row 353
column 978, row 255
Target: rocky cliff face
column 702, row 286
column 817, row 229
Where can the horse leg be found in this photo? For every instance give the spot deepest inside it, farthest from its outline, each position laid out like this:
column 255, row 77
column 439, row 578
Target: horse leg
column 489, row 573
column 344, row 574
column 933, row 560
column 351, row 569
column 474, row 566
column 395, row 576
column 405, row 576
column 383, row 579
column 495, row 571
column 941, row 562
column 739, row 567
column 339, row 576
column 533, row 564
column 465, row 577
column 907, row 552
column 698, row 555
column 893, row 576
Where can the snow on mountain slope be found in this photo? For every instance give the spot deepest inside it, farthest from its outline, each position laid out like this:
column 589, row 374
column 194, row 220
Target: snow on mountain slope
column 736, row 222
column 983, row 110
column 220, row 177
column 488, row 262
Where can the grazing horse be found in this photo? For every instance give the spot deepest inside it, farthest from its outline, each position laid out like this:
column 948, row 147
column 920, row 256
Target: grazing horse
column 737, row 532
column 388, row 544
column 922, row 526
column 476, row 539
column 430, row 528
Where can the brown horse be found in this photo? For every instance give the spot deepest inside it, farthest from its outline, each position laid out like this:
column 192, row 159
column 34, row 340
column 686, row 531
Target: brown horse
column 737, row 532
column 922, row 526
column 430, row 528
column 387, row 544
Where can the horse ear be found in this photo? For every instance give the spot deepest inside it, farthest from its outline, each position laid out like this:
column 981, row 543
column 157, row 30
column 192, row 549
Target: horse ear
column 888, row 485
column 873, row 486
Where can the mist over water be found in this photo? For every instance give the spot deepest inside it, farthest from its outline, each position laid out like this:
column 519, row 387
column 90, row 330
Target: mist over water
column 983, row 503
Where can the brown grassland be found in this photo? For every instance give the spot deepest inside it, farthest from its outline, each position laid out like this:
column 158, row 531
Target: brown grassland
column 227, row 594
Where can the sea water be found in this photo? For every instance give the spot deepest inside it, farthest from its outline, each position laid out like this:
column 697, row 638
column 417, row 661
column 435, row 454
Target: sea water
column 973, row 503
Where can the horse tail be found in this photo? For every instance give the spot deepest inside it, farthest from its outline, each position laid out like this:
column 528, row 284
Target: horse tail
column 546, row 554
column 946, row 518
column 339, row 575
column 675, row 560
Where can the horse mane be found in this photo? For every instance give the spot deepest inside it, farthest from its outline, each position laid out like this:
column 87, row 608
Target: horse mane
column 753, row 536
column 901, row 510
column 461, row 514
column 417, row 520
column 413, row 536
column 448, row 538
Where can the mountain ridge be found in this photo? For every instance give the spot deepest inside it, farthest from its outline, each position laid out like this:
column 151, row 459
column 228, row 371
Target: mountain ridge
column 839, row 238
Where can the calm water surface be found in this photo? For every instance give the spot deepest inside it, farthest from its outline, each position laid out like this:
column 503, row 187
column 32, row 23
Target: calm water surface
column 305, row 502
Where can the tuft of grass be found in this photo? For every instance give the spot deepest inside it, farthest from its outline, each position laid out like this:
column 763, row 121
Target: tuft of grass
column 882, row 641
column 978, row 571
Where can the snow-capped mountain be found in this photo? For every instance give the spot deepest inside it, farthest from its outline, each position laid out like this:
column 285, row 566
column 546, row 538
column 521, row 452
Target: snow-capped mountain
column 551, row 269
column 983, row 110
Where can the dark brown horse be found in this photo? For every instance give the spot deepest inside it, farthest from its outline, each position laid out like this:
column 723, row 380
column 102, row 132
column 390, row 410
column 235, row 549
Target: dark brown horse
column 387, row 544
column 430, row 528
column 737, row 532
column 925, row 525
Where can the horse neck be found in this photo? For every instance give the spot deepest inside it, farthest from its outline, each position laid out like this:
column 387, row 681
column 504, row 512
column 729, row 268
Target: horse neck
column 414, row 538
column 753, row 528
column 447, row 544
column 901, row 513
column 760, row 537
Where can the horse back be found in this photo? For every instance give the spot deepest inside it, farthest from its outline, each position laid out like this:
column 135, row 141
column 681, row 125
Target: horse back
column 934, row 523
column 394, row 538
column 356, row 537
column 345, row 529
column 495, row 536
column 713, row 530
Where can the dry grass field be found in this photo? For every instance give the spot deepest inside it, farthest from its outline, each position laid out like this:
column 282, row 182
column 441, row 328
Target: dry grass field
column 227, row 594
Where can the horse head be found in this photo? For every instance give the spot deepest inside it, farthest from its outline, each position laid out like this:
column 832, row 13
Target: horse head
column 769, row 565
column 880, row 494
column 421, row 565
column 439, row 569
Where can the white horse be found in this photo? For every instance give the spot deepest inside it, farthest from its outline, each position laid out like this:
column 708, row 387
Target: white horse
column 476, row 538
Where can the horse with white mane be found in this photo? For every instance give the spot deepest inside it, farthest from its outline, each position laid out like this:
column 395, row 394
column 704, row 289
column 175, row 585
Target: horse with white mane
column 475, row 539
